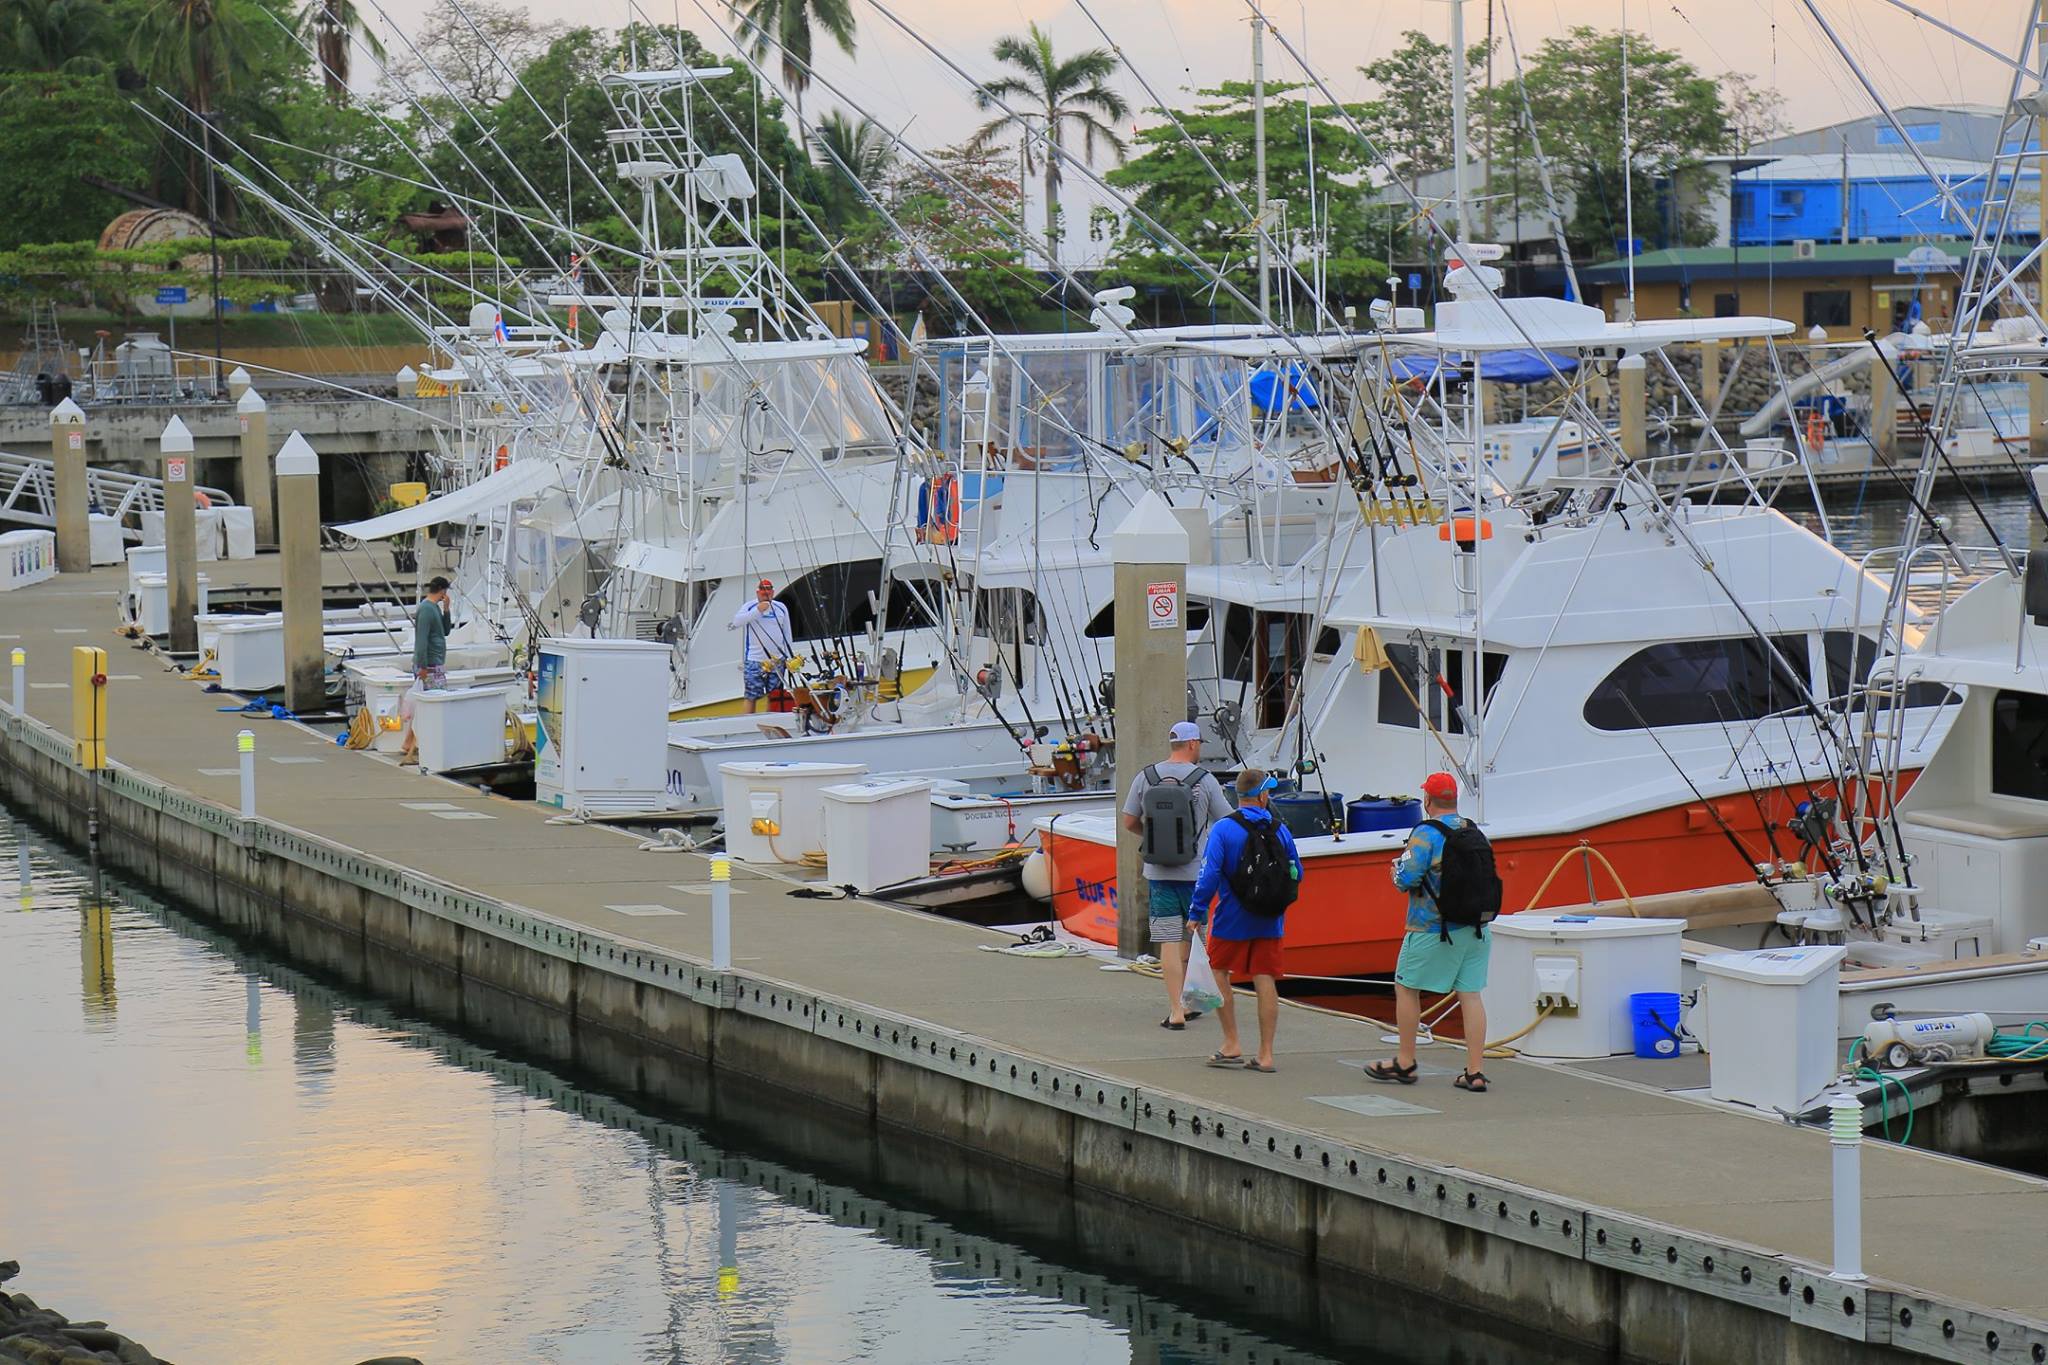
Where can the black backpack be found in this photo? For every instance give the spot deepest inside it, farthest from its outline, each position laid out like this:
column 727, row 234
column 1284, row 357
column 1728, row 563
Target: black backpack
column 1264, row 881
column 1469, row 890
column 1168, row 829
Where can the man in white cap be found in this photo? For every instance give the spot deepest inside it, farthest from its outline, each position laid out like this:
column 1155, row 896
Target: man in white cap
column 1171, row 808
column 768, row 643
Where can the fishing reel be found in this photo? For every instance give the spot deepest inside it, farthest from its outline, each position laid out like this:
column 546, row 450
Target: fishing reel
column 989, row 682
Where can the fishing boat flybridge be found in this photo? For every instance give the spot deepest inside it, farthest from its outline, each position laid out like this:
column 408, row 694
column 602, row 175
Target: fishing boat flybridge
column 1599, row 665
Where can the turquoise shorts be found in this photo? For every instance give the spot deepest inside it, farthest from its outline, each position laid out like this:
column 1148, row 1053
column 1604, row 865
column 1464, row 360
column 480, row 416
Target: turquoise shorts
column 1427, row 963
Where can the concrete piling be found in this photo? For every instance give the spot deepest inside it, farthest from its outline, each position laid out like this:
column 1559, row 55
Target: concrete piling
column 1634, row 397
column 252, row 415
column 181, row 537
column 67, row 456
column 1150, row 552
column 298, row 536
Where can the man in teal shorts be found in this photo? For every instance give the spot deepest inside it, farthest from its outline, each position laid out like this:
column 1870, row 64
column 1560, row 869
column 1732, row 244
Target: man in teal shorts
column 1429, row 961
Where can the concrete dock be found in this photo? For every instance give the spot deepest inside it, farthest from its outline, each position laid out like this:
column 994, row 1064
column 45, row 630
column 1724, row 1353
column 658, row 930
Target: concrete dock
column 1600, row 1214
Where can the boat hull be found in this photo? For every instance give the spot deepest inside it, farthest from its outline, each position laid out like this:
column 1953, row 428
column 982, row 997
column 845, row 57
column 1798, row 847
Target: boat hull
column 1350, row 918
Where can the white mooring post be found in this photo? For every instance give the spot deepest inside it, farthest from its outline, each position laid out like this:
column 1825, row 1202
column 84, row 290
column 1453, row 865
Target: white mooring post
column 245, row 746
column 1845, row 1132
column 721, row 914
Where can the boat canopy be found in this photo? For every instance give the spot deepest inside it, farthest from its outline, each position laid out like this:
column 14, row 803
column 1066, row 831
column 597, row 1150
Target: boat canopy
column 1500, row 367
column 500, row 488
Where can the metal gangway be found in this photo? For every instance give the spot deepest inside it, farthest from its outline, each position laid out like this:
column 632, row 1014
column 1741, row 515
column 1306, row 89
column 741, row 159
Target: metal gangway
column 28, row 493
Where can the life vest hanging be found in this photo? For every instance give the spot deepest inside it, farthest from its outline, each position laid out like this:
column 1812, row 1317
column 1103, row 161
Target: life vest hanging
column 504, row 458
column 1816, row 429
column 938, row 509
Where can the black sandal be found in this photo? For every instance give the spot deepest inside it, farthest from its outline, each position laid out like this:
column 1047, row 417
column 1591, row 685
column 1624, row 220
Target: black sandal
column 1168, row 1023
column 1392, row 1072
column 1474, row 1081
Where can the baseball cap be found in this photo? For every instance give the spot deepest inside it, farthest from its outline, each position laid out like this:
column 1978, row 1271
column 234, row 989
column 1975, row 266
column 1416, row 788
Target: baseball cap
column 1439, row 785
column 764, row 583
column 1183, row 731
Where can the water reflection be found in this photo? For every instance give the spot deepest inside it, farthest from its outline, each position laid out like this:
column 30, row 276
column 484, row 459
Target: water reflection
column 399, row 1189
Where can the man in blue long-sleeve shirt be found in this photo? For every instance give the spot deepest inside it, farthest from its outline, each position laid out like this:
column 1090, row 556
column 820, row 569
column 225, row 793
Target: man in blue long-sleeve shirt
column 1242, row 943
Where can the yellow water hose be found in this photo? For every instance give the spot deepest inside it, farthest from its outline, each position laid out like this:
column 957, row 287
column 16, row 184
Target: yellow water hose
column 1590, row 854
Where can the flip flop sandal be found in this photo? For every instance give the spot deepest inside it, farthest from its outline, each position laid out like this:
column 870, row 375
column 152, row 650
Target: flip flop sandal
column 1392, row 1072
column 1168, row 1023
column 1474, row 1081
column 1225, row 1059
column 1263, row 1070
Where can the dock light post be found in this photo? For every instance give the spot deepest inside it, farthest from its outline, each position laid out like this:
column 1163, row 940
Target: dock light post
column 721, row 914
column 245, row 746
column 74, row 498
column 181, row 536
column 1845, row 1133
column 1149, row 551
column 298, row 539
column 20, row 662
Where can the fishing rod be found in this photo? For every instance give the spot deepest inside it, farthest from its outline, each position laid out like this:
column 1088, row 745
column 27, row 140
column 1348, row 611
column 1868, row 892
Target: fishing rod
column 1933, row 441
column 1755, row 799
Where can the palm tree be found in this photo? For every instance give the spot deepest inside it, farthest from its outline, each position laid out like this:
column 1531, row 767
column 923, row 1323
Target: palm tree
column 785, row 26
column 328, row 25
column 851, row 150
column 198, row 49
column 50, row 35
column 1062, row 95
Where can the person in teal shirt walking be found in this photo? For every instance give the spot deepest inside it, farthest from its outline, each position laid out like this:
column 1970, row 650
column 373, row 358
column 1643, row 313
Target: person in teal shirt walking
column 1432, row 960
column 429, row 652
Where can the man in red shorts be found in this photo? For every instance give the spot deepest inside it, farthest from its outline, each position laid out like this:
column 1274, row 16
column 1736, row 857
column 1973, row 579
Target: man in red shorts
column 1250, row 868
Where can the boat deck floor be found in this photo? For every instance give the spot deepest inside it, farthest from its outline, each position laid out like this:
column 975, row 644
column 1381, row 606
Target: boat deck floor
column 1579, row 1132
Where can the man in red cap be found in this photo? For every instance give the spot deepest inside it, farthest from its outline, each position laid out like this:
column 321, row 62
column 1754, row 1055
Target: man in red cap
column 769, row 643
column 1435, row 957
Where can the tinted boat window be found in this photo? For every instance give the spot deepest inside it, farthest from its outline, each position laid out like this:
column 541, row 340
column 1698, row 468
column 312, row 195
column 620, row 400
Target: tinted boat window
column 1701, row 682
column 1845, row 674
column 2019, row 745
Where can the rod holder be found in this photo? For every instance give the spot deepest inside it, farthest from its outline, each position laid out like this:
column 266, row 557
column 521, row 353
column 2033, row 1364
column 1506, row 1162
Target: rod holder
column 245, row 748
column 721, row 914
column 1845, row 1134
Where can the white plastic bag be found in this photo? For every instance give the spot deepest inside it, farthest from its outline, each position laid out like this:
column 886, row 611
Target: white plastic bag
column 1200, row 992
column 408, row 701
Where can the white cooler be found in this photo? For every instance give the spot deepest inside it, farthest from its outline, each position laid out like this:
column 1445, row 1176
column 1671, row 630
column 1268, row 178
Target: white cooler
column 206, row 533
column 143, row 559
column 249, row 654
column 384, row 692
column 238, row 532
column 1771, row 1024
column 153, row 602
column 152, row 528
column 27, row 557
column 460, row 727
column 775, row 812
column 1596, row 962
column 877, row 832
column 104, row 538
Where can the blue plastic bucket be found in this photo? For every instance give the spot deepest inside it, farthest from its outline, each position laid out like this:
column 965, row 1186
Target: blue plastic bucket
column 1655, row 1016
column 1370, row 813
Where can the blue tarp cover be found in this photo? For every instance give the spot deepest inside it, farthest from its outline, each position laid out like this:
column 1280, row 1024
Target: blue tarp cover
column 1500, row 367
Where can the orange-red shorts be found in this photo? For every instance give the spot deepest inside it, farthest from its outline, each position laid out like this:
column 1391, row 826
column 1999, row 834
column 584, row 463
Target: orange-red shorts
column 1245, row 957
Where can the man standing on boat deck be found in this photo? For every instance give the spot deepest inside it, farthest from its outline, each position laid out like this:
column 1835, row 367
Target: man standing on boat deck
column 429, row 652
column 1200, row 803
column 1252, row 870
column 1434, row 957
column 769, row 643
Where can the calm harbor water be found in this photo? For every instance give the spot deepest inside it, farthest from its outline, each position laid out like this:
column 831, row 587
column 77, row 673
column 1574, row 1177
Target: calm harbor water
column 230, row 1161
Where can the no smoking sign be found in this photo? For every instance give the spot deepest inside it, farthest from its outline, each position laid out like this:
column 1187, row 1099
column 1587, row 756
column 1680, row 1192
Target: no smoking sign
column 1162, row 606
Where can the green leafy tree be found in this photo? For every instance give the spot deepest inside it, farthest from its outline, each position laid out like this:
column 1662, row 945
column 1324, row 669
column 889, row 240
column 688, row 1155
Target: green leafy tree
column 1061, row 96
column 56, row 127
column 1410, row 119
column 1676, row 116
column 1171, row 184
column 54, row 35
column 851, row 153
column 785, row 26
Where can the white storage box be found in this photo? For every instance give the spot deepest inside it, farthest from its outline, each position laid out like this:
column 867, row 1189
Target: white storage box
column 1771, row 1024
column 384, row 692
column 238, row 532
column 601, row 742
column 877, row 832
column 249, row 655
column 143, row 559
column 153, row 602
column 152, row 528
column 459, row 728
column 206, row 533
column 27, row 557
column 774, row 812
column 1598, row 961
column 103, row 537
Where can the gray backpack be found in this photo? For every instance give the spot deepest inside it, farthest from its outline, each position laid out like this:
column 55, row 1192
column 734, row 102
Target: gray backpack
column 1168, row 835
